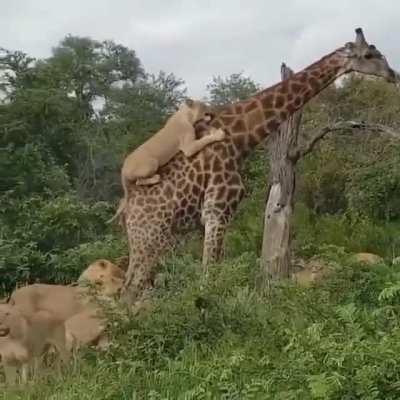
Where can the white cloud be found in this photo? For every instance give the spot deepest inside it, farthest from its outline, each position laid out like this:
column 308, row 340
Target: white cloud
column 197, row 40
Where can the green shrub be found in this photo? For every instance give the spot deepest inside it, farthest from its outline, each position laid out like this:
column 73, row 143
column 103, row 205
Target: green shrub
column 354, row 233
column 53, row 239
column 333, row 342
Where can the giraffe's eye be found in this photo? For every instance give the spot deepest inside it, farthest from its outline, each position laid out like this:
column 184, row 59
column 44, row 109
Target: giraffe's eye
column 368, row 56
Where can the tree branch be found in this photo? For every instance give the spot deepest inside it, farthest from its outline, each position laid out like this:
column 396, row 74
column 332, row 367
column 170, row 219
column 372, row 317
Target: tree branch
column 379, row 128
column 307, row 147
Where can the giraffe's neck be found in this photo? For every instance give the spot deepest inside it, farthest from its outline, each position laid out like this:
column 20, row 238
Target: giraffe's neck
column 252, row 120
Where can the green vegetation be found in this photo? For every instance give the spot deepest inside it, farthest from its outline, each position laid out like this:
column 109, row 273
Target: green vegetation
column 59, row 183
column 337, row 341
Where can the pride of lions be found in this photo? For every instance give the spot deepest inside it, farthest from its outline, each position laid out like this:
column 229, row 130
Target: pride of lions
column 41, row 317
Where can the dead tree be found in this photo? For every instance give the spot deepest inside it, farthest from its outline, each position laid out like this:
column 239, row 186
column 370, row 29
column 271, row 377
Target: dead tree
column 275, row 256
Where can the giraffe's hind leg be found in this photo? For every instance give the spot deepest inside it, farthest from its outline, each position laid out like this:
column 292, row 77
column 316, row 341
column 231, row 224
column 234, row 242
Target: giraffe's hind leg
column 147, row 244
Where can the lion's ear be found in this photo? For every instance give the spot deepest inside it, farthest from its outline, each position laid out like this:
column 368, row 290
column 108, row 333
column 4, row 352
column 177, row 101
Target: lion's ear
column 189, row 102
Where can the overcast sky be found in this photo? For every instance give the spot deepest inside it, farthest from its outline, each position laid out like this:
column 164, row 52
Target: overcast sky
column 196, row 39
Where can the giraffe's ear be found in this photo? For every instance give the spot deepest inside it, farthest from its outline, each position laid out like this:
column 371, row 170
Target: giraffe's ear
column 349, row 49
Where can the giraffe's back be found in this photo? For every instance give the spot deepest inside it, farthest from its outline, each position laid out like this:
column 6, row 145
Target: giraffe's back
column 177, row 201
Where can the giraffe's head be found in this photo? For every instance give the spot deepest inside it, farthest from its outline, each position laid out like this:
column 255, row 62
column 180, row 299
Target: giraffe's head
column 366, row 58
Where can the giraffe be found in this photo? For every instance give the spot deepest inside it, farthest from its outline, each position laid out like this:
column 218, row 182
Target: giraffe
column 207, row 188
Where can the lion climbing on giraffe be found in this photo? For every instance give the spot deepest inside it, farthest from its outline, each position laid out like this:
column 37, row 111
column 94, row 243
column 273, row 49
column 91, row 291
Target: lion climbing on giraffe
column 178, row 134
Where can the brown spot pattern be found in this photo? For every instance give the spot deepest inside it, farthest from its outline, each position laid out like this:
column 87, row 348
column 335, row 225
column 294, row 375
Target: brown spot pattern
column 238, row 126
column 238, row 108
column 296, row 88
column 252, row 106
column 279, row 101
column 267, row 101
column 227, row 119
column 272, row 125
column 269, row 114
column 239, row 141
column 217, row 166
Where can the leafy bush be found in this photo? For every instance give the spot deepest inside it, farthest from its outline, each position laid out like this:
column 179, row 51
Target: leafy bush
column 374, row 189
column 322, row 180
column 53, row 239
column 333, row 342
column 22, row 262
column 353, row 232
column 26, row 170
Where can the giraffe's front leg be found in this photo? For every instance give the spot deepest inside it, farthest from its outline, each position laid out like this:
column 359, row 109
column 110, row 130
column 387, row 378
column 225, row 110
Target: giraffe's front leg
column 213, row 248
column 218, row 210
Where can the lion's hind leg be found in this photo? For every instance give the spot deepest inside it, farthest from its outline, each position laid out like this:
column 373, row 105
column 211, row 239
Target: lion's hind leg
column 145, row 172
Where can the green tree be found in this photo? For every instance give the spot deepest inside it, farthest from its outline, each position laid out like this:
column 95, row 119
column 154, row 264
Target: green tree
column 233, row 88
column 87, row 69
column 15, row 69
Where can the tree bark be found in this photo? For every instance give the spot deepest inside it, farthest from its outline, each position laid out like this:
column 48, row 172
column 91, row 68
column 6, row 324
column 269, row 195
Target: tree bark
column 275, row 255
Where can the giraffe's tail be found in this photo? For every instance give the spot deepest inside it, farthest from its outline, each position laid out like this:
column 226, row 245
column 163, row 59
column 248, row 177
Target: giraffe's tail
column 121, row 208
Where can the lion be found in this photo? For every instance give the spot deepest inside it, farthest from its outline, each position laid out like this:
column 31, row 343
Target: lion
column 309, row 273
column 178, row 134
column 367, row 258
column 107, row 277
column 66, row 301
column 85, row 328
column 78, row 305
column 25, row 338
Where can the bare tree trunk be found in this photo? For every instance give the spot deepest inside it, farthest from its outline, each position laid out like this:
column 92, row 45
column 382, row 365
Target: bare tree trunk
column 275, row 255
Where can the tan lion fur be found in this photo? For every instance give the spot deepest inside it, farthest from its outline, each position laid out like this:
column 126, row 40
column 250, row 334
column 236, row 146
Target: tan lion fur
column 66, row 301
column 78, row 303
column 107, row 277
column 63, row 301
column 367, row 258
column 85, row 328
column 13, row 357
column 28, row 338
